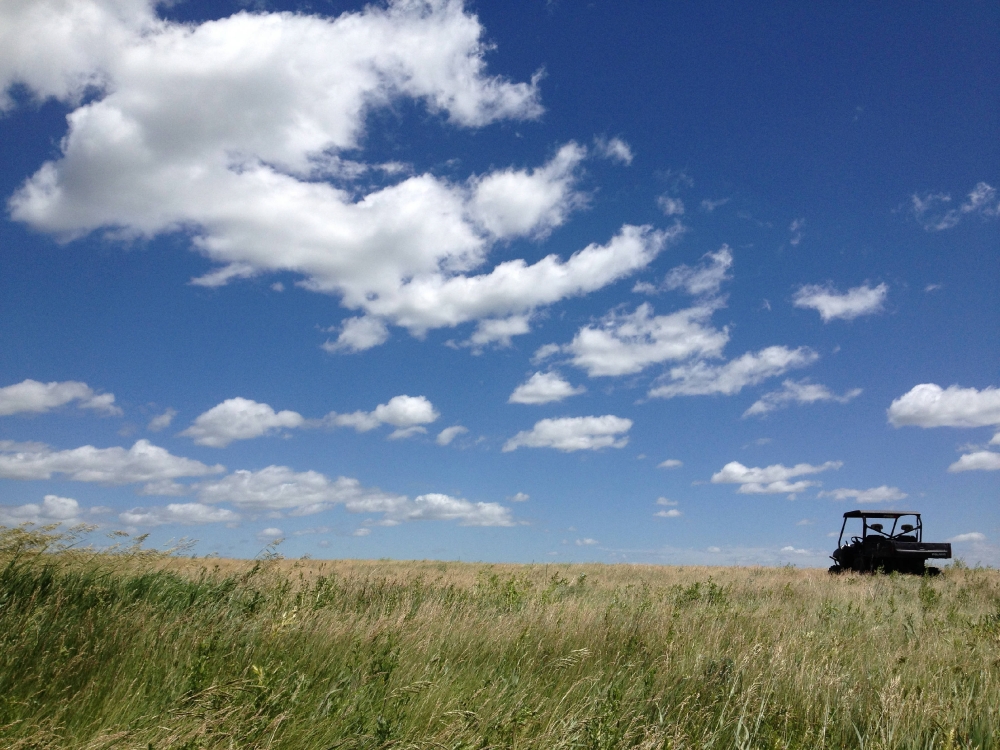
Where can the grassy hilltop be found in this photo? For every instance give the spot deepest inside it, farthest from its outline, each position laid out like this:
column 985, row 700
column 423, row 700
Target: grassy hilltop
column 139, row 650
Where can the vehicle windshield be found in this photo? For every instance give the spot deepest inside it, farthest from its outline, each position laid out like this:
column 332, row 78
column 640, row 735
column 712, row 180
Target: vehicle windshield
column 904, row 528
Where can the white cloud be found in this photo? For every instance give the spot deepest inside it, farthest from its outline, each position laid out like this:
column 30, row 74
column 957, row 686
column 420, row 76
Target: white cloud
column 32, row 397
column 704, row 279
column 614, row 149
column 52, row 509
column 883, row 494
column 831, row 304
column 672, row 513
column 795, row 228
column 670, row 206
column 157, row 148
column 700, row 378
column 995, row 440
column 498, row 331
column 239, row 419
column 450, row 433
column 162, row 421
column 270, row 534
column 358, row 334
column 586, row 542
column 930, row 405
column 627, row 343
column 406, row 413
column 189, row 514
column 977, row 461
column 514, row 203
column 544, row 388
column 279, row 488
column 972, row 536
column 670, row 463
column 438, row 507
column 933, row 212
column 665, row 501
column 708, row 205
column 801, row 392
column 520, row 497
column 361, row 532
column 770, row 480
column 573, row 434
column 143, row 462
column 795, row 551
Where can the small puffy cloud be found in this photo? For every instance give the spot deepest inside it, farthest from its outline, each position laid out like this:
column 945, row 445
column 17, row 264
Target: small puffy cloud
column 977, row 461
column 544, row 388
column 515, row 203
column 32, row 397
column 792, row 550
column 279, row 488
column 670, row 206
column 708, row 205
column 439, row 507
column 573, row 434
column 586, row 542
column 450, row 433
column 361, row 532
column 143, row 462
column 520, row 497
column 883, row 494
column 627, row 343
column 670, row 463
column 801, row 392
column 406, row 413
column 614, row 149
column 934, row 212
column 671, row 513
column 52, row 509
column 162, row 421
column 832, row 305
column 188, row 514
column 271, row 534
column 972, row 536
column 405, row 432
column 498, row 331
column 704, row 279
column 770, row 480
column 930, row 405
column 359, row 334
column 665, row 501
column 701, row 379
column 995, row 440
column 239, row 419
column 795, row 228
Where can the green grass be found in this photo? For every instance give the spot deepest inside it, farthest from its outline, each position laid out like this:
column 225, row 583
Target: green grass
column 138, row 650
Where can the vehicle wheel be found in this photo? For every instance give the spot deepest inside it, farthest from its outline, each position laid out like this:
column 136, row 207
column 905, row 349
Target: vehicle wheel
column 835, row 569
column 932, row 571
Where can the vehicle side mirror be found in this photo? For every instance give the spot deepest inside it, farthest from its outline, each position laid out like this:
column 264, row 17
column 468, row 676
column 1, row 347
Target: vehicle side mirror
column 875, row 526
column 907, row 528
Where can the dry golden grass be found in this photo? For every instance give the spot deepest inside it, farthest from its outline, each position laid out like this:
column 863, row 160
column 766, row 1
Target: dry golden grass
column 139, row 651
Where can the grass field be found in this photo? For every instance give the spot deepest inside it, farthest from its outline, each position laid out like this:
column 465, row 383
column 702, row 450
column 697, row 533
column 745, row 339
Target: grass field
column 140, row 650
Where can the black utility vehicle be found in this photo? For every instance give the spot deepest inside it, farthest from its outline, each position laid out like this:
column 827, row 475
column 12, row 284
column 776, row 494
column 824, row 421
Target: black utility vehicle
column 902, row 549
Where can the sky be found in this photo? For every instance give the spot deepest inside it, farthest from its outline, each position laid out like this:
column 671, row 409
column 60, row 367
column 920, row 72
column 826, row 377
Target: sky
column 670, row 283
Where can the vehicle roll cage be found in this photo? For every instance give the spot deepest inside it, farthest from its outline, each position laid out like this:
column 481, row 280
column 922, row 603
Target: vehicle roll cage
column 895, row 515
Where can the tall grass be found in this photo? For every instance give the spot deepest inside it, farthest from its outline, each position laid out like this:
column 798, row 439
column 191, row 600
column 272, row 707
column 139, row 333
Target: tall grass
column 137, row 650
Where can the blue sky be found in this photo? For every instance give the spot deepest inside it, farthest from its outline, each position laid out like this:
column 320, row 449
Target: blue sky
column 519, row 282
